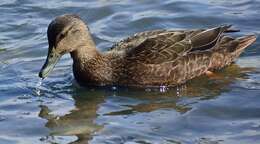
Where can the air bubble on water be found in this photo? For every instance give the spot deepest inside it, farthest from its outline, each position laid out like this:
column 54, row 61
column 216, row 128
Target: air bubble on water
column 148, row 89
column 163, row 88
column 114, row 88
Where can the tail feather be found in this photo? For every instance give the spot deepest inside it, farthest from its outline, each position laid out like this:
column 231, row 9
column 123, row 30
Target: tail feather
column 230, row 50
column 245, row 41
column 229, row 29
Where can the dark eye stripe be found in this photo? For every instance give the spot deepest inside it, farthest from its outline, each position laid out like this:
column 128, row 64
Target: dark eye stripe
column 74, row 31
column 62, row 35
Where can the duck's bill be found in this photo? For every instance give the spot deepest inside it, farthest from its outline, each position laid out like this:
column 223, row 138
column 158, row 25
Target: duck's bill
column 49, row 64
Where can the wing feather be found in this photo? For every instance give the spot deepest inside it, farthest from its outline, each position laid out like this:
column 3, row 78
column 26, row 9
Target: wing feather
column 156, row 47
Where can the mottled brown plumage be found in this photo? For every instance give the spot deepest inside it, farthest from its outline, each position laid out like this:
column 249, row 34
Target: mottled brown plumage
column 152, row 58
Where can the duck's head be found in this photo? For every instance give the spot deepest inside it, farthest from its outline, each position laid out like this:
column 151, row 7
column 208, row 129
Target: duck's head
column 65, row 34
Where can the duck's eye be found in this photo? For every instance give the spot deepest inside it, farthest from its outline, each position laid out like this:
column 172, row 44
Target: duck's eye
column 75, row 31
column 62, row 36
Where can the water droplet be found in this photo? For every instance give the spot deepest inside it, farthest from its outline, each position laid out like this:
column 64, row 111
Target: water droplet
column 178, row 91
column 37, row 88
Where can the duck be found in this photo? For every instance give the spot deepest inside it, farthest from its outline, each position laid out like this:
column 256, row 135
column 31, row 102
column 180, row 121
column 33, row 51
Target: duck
column 150, row 58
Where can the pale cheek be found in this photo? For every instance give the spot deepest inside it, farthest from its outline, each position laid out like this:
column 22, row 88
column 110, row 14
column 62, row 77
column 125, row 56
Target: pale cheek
column 69, row 43
column 74, row 42
column 63, row 46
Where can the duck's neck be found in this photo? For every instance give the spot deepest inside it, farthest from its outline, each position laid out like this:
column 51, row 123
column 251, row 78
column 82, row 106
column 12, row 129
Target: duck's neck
column 84, row 53
column 86, row 50
column 90, row 66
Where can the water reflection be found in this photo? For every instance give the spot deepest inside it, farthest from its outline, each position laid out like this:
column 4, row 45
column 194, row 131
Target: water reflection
column 78, row 122
column 93, row 104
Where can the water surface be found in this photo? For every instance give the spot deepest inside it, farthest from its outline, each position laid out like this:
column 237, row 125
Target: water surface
column 222, row 110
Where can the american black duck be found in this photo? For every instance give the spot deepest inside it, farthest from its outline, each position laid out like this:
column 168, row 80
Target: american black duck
column 151, row 58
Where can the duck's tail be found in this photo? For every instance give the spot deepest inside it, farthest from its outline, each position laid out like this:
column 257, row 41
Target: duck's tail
column 229, row 50
column 244, row 42
column 229, row 29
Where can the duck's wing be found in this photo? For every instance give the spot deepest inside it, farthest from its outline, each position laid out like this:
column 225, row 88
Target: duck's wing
column 169, row 46
column 136, row 39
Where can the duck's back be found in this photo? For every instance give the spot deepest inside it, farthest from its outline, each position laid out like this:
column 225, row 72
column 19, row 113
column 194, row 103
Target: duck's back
column 164, row 57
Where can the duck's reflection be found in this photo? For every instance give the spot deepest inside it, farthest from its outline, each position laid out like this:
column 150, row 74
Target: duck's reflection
column 78, row 122
column 81, row 121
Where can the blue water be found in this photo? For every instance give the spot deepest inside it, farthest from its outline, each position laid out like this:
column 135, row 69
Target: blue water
column 223, row 110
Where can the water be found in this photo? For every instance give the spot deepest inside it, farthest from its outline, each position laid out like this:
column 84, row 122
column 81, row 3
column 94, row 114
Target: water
column 221, row 110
